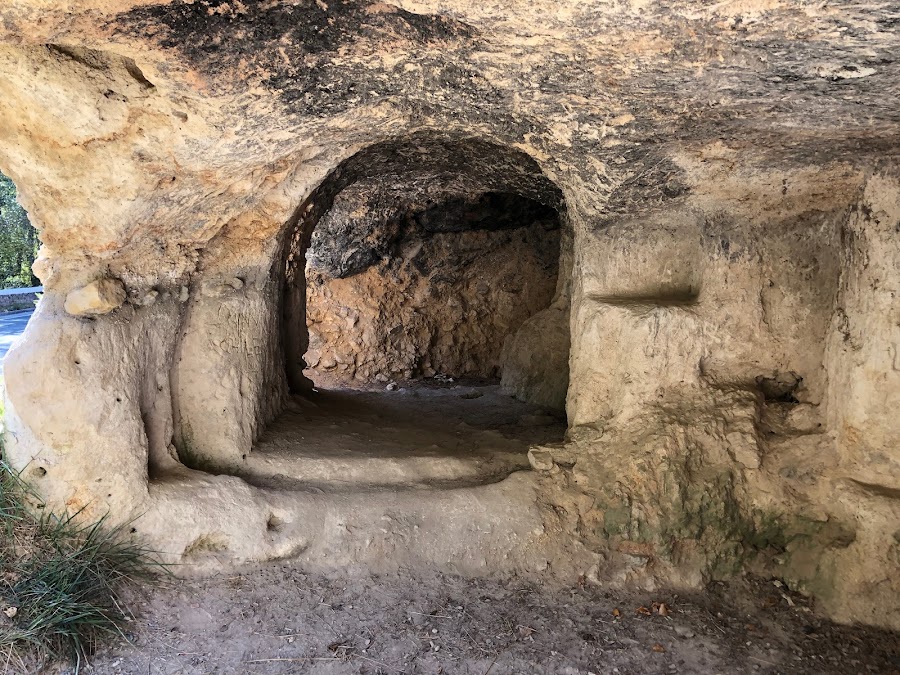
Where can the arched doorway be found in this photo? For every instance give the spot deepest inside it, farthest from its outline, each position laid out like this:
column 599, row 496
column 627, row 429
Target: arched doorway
column 404, row 279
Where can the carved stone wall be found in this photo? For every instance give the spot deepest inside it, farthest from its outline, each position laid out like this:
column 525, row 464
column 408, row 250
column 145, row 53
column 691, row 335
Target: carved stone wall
column 727, row 179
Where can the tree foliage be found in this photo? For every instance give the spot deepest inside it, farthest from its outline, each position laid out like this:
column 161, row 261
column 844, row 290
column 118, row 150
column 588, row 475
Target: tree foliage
column 18, row 240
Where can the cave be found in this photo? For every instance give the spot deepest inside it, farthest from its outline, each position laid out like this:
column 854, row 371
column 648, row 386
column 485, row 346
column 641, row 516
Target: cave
column 658, row 239
column 418, row 258
column 418, row 298
column 432, row 289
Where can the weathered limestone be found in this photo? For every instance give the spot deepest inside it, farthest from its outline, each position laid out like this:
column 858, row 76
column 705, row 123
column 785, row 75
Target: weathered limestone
column 98, row 297
column 724, row 329
column 862, row 402
column 397, row 293
column 535, row 359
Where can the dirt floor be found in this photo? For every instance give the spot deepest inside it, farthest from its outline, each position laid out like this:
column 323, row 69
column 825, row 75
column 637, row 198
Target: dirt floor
column 276, row 619
column 437, row 432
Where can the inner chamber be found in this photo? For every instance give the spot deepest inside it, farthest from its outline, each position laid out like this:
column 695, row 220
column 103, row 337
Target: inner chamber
column 402, row 288
column 409, row 274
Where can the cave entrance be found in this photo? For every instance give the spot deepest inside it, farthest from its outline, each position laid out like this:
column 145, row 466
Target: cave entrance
column 411, row 275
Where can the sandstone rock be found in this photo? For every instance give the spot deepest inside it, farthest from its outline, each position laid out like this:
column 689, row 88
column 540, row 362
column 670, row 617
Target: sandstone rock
column 744, row 449
column 429, row 293
column 144, row 299
column 805, row 418
column 98, row 297
column 719, row 255
column 217, row 288
column 535, row 359
column 541, row 460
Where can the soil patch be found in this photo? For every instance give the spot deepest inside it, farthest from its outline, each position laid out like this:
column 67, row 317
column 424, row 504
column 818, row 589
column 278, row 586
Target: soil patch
column 424, row 433
column 277, row 619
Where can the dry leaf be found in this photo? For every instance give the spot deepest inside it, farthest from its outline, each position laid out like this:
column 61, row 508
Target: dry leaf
column 662, row 610
column 658, row 648
column 617, row 613
column 11, row 611
column 642, row 610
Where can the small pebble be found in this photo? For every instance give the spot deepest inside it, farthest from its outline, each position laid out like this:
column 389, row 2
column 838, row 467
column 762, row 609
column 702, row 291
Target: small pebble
column 684, row 631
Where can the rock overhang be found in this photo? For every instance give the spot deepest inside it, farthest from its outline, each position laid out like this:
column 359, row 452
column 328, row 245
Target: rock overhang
column 742, row 155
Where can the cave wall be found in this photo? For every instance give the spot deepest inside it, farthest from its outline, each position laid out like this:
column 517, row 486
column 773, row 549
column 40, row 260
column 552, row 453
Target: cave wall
column 729, row 175
column 534, row 362
column 711, row 339
column 402, row 291
column 862, row 354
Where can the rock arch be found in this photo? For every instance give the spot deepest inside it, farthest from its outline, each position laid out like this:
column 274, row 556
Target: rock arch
column 245, row 328
column 419, row 177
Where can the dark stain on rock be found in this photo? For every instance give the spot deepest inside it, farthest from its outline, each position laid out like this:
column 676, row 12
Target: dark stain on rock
column 214, row 26
column 364, row 229
column 485, row 211
column 290, row 48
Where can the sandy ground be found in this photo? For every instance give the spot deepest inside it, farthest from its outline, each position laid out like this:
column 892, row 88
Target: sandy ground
column 425, row 433
column 276, row 619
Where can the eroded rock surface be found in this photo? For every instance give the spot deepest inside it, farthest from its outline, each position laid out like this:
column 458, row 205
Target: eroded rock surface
column 98, row 297
column 407, row 290
column 727, row 180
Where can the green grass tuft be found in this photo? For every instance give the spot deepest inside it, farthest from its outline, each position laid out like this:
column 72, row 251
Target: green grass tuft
column 60, row 578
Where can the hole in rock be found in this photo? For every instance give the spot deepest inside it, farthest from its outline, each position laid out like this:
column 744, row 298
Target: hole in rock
column 779, row 388
column 410, row 276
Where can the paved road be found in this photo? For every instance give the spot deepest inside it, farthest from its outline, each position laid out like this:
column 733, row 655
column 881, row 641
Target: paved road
column 12, row 324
